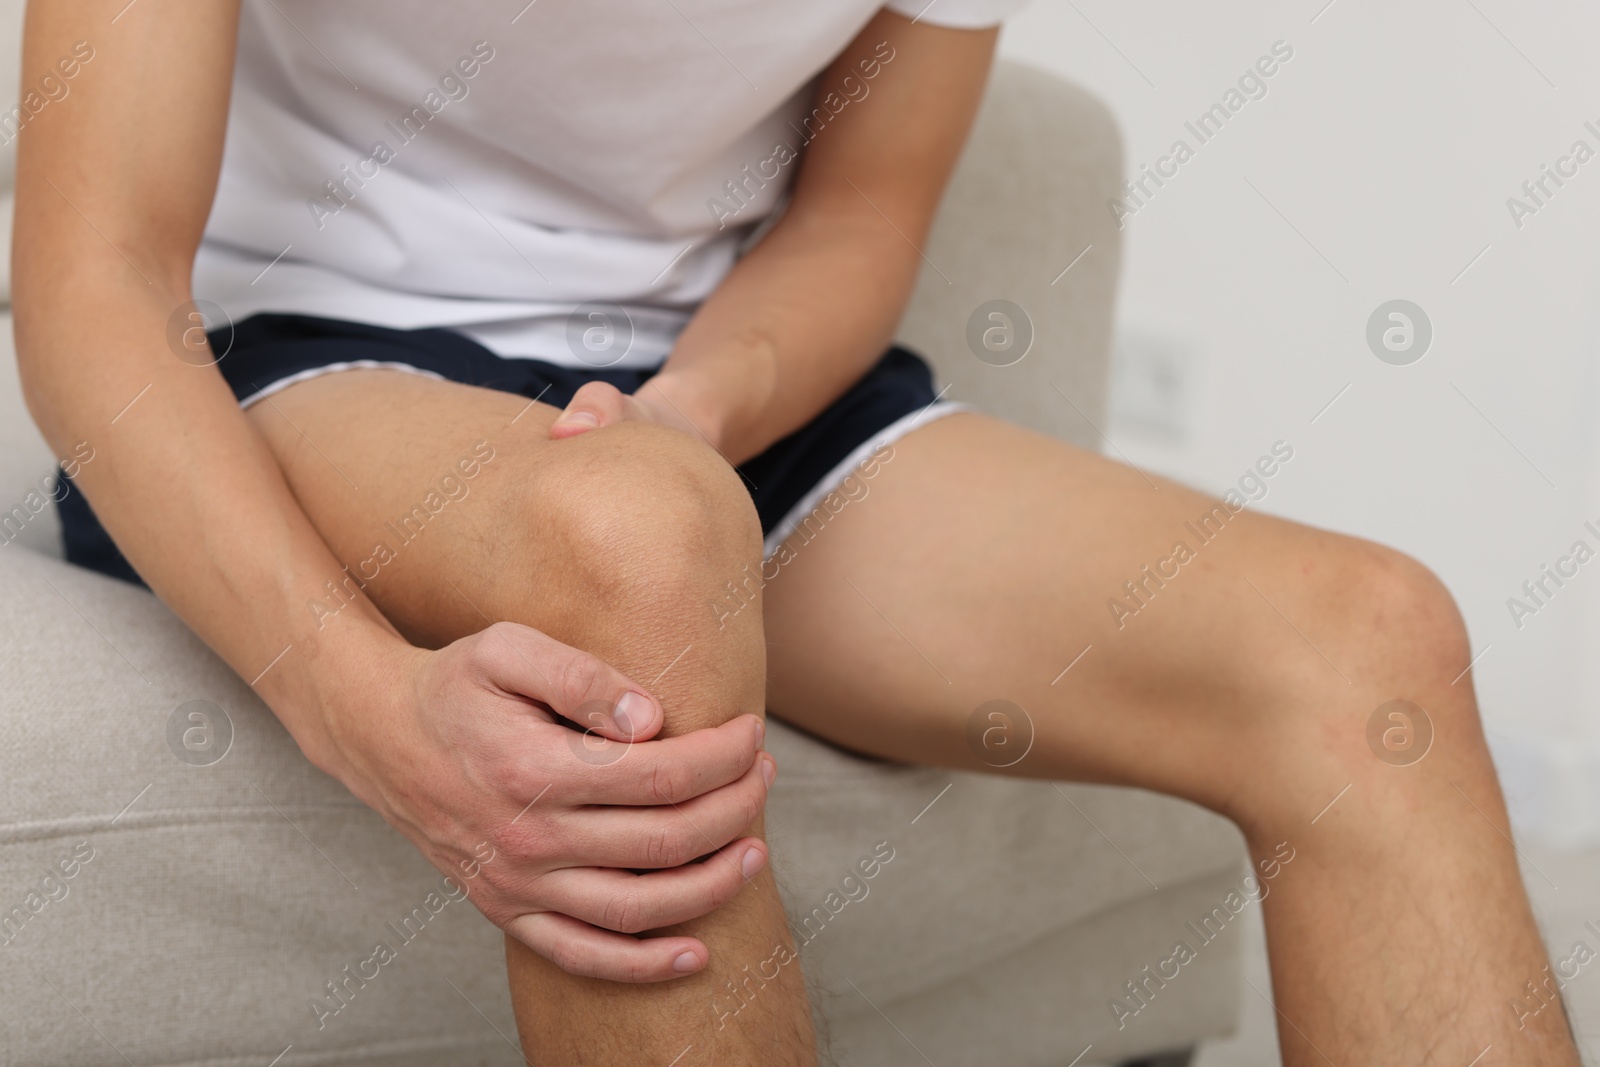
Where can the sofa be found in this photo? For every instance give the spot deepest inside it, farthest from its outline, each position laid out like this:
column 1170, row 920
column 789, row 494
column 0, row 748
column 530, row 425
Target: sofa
column 210, row 899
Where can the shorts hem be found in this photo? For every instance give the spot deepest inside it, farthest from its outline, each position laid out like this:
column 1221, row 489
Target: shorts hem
column 835, row 477
column 280, row 384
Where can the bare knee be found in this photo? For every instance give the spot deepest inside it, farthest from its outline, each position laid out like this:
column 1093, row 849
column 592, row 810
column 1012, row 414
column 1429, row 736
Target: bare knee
column 632, row 531
column 1396, row 617
column 1370, row 671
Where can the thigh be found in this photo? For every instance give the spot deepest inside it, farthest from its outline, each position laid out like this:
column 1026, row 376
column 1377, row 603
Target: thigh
column 452, row 509
column 404, row 477
column 1137, row 623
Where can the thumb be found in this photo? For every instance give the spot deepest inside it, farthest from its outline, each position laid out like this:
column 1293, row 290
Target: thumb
column 575, row 685
column 594, row 405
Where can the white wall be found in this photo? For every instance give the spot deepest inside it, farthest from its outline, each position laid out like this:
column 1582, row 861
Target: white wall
column 1391, row 142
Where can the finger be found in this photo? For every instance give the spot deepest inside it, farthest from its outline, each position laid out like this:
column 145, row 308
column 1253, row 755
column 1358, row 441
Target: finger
column 581, row 949
column 655, row 837
column 633, row 903
column 594, row 405
column 576, row 685
column 665, row 771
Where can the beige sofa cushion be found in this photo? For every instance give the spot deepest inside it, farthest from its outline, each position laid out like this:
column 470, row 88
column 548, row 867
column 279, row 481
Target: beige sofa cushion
column 216, row 901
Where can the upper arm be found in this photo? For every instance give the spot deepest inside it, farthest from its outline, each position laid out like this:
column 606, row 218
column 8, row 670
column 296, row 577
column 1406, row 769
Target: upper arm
column 890, row 117
column 120, row 160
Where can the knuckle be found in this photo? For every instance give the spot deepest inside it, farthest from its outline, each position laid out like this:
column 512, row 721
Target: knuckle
column 669, row 783
column 724, row 888
column 499, row 878
column 512, row 779
column 501, row 628
column 752, row 805
column 511, row 842
column 491, row 642
column 497, row 910
column 664, row 847
column 579, row 677
column 503, row 840
column 477, row 650
column 624, row 913
column 489, row 650
column 502, row 775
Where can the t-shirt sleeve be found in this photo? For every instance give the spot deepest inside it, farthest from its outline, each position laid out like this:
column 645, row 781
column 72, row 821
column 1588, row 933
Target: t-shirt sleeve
column 958, row 14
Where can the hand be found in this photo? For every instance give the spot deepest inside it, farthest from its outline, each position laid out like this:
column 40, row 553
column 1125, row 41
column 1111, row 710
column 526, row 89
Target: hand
column 544, row 825
column 598, row 404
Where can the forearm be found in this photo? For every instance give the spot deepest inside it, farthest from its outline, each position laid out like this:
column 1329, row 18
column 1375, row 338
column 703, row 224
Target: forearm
column 110, row 210
column 794, row 324
column 183, row 483
column 810, row 309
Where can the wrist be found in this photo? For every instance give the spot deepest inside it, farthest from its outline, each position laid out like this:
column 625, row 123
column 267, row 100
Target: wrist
column 685, row 402
column 358, row 669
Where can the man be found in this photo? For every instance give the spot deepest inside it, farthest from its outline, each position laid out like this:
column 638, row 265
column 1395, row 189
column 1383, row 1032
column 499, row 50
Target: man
column 537, row 256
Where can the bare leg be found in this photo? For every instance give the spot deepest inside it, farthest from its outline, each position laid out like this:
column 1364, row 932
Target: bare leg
column 1400, row 932
column 610, row 543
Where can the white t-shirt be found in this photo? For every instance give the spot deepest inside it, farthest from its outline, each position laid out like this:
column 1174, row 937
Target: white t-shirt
column 492, row 167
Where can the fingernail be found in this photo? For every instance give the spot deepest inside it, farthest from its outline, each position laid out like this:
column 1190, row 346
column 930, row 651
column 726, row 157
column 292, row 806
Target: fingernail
column 577, row 418
column 752, row 862
column 769, row 769
column 633, row 714
column 761, row 729
column 686, row 962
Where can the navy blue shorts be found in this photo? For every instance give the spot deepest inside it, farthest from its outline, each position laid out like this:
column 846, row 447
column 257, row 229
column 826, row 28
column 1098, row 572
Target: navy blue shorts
column 270, row 351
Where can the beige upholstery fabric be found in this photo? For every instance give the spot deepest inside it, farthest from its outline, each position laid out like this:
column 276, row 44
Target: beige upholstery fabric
column 209, row 905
